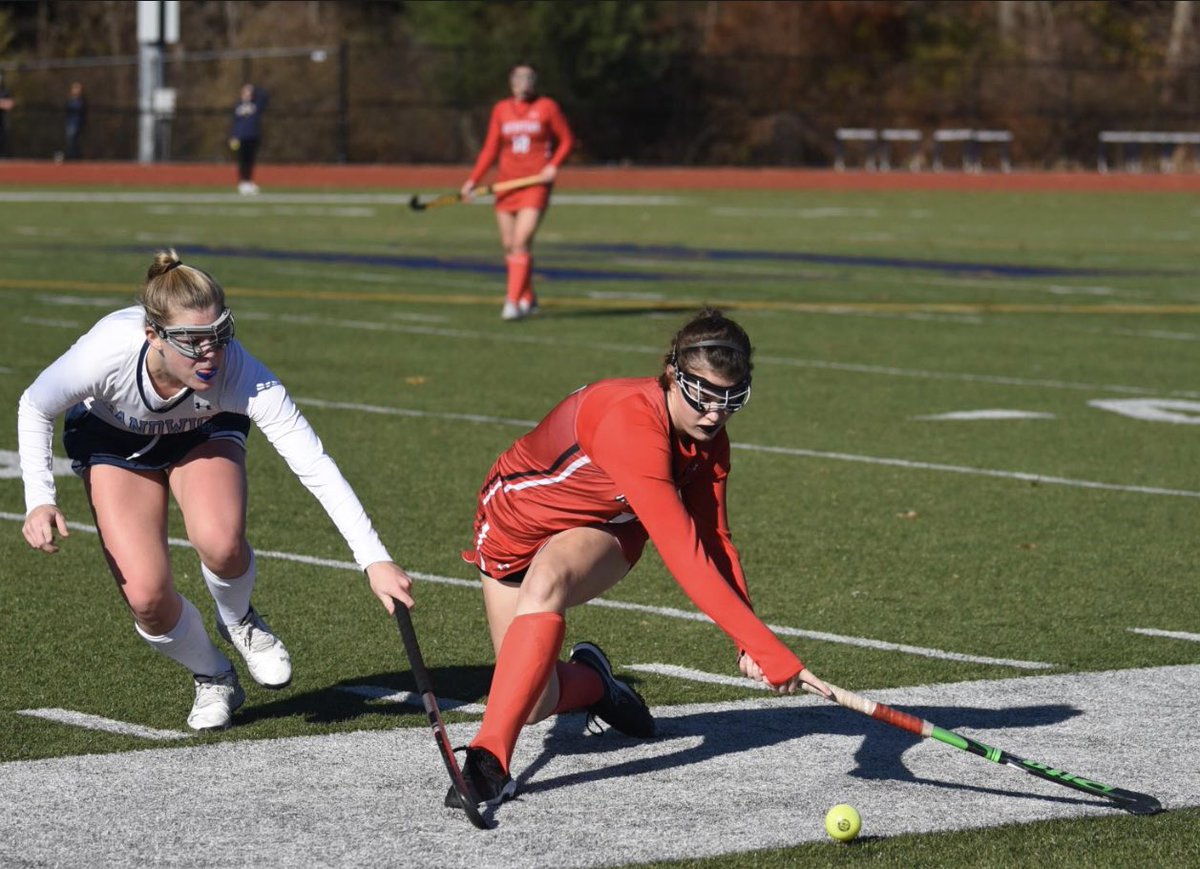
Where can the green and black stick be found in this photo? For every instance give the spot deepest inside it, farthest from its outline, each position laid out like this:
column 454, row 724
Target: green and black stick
column 1131, row 801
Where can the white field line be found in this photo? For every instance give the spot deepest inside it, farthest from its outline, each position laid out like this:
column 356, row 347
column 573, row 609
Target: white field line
column 401, row 411
column 861, row 642
column 409, row 698
column 76, row 301
column 306, row 198
column 507, row 337
column 795, row 451
column 998, row 380
column 1171, row 635
column 108, row 725
column 666, row 612
column 991, row 414
column 54, row 324
column 978, row 472
column 690, row 675
column 257, row 213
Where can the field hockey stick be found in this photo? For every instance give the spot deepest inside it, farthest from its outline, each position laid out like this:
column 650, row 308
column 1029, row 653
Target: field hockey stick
column 425, row 686
column 1131, row 801
column 454, row 198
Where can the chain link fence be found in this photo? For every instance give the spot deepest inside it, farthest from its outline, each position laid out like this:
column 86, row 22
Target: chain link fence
column 372, row 104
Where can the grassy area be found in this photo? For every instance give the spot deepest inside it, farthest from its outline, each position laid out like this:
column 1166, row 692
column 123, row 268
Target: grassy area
column 856, row 514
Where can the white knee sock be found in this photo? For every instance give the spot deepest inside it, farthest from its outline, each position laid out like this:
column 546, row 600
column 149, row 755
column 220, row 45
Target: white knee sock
column 232, row 595
column 189, row 644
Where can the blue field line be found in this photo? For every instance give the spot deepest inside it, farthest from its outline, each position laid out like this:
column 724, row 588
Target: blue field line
column 419, row 263
column 676, row 252
column 680, row 252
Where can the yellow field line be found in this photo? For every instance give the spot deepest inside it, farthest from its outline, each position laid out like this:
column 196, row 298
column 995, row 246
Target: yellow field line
column 648, row 304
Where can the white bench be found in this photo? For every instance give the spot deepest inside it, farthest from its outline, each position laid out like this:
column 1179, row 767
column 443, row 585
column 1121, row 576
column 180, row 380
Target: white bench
column 855, row 134
column 891, row 135
column 879, row 145
column 972, row 144
column 1168, row 142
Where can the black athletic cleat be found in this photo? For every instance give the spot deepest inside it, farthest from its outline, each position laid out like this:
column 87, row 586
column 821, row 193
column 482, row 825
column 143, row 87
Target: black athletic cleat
column 486, row 779
column 621, row 707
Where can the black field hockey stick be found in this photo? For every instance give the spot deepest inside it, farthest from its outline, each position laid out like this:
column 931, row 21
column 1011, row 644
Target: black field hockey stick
column 455, row 198
column 425, row 686
column 1131, row 801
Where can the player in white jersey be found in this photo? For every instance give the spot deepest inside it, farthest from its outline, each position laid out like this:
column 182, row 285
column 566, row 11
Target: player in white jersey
column 158, row 400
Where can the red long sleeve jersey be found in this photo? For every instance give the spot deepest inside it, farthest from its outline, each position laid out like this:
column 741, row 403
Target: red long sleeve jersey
column 526, row 137
column 609, row 451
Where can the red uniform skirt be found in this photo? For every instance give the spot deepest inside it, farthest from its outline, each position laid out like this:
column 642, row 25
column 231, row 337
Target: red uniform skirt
column 537, row 196
column 506, row 553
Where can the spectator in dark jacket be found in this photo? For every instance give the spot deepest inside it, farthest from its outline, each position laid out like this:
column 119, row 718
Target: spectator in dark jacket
column 77, row 110
column 6, row 105
column 246, row 133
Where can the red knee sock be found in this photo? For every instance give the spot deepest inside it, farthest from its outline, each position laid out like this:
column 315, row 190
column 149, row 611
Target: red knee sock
column 518, row 274
column 527, row 656
column 578, row 687
column 528, row 296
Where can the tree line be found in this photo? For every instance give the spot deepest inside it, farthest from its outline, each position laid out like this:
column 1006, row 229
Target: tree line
column 668, row 82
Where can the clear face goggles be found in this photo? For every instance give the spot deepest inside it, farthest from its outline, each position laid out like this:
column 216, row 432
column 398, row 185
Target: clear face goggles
column 195, row 342
column 704, row 396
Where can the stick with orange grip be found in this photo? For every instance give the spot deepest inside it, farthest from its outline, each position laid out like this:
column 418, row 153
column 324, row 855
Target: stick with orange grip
column 1131, row 801
column 454, row 198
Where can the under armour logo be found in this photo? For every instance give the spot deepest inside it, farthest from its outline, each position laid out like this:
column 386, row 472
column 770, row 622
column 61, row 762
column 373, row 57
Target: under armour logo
column 202, row 404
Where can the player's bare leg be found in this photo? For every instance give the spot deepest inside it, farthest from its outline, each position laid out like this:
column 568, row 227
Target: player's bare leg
column 210, row 487
column 517, row 231
column 574, row 567
column 130, row 509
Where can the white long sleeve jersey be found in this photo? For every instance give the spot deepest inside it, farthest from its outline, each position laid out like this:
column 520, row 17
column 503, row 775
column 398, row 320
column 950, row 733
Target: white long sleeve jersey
column 106, row 370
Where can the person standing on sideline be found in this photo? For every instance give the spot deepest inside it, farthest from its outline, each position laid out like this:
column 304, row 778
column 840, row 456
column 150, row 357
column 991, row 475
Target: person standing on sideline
column 530, row 135
column 6, row 105
column 245, row 134
column 77, row 110
column 158, row 399
column 564, row 515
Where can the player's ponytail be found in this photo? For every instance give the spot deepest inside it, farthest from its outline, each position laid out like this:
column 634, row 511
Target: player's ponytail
column 171, row 287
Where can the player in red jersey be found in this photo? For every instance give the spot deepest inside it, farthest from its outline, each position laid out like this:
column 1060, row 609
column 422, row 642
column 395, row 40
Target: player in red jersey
column 564, row 514
column 531, row 137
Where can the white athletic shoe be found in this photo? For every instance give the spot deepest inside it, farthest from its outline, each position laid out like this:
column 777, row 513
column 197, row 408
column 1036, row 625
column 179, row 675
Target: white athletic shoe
column 510, row 311
column 527, row 308
column 217, row 698
column 269, row 663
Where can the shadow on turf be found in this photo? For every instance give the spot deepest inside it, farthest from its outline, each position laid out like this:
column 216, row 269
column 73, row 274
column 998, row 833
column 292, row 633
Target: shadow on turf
column 879, row 758
column 331, row 705
column 334, row 704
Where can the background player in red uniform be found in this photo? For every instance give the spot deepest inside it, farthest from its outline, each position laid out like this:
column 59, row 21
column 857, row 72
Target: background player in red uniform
column 564, row 514
column 531, row 137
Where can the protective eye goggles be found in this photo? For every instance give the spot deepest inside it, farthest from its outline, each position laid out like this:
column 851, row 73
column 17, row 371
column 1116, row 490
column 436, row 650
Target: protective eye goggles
column 195, row 342
column 705, row 397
